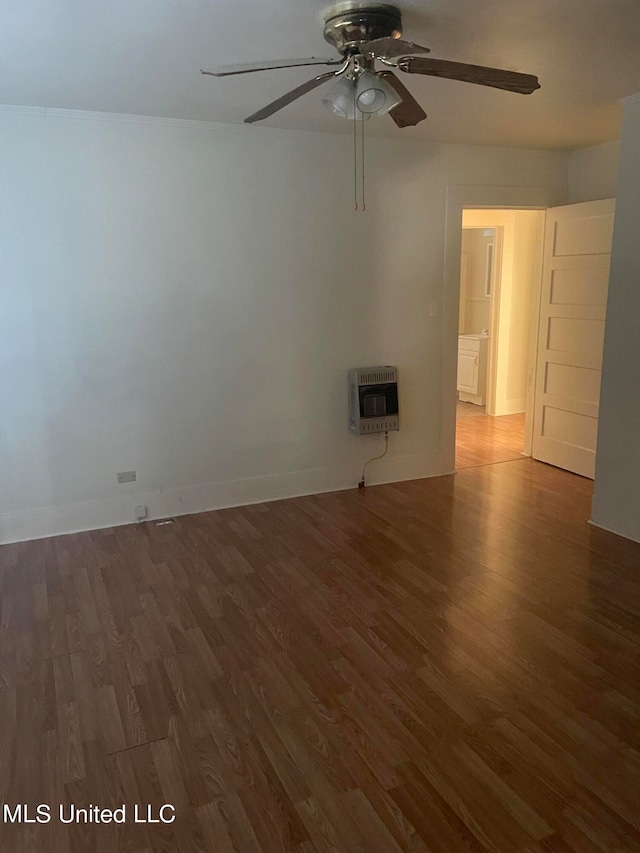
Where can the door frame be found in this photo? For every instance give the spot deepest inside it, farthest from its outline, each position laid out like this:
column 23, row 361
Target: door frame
column 494, row 317
column 458, row 198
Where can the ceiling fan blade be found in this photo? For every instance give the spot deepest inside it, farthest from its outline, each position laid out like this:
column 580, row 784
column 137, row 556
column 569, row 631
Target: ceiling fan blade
column 282, row 101
column 388, row 47
column 268, row 65
column 409, row 112
column 512, row 81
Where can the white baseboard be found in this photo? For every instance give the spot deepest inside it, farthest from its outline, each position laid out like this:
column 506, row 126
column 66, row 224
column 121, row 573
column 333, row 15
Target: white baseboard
column 163, row 503
column 517, row 406
column 627, row 527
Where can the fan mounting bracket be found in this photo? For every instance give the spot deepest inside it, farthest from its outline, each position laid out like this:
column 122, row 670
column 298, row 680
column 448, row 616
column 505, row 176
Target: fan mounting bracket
column 351, row 24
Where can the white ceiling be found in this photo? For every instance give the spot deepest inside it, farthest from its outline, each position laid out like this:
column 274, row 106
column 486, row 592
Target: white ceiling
column 143, row 57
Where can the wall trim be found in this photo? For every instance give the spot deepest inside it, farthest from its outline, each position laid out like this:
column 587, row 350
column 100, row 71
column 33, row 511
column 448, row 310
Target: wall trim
column 239, row 128
column 163, row 503
column 614, row 532
column 515, row 406
column 163, row 121
column 625, row 526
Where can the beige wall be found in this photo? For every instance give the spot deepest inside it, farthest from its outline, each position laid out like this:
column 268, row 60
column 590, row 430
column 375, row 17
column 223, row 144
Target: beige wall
column 474, row 305
column 511, row 365
column 616, row 501
column 185, row 299
column 593, row 172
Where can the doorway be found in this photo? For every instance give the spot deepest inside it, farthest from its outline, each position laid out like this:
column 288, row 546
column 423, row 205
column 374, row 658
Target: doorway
column 500, row 271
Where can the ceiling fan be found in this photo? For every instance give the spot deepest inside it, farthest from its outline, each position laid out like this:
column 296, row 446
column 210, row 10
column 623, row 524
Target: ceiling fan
column 364, row 33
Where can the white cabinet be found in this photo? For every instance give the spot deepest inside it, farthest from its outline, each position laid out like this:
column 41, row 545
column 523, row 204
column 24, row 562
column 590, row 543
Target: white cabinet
column 473, row 353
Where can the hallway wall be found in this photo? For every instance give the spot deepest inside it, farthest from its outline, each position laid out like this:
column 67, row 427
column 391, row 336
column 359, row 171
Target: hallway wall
column 519, row 278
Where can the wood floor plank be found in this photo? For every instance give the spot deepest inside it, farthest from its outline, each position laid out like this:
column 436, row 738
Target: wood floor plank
column 482, row 439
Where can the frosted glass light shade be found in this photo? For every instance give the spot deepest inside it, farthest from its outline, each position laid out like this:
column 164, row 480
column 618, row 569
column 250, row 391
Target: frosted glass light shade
column 341, row 100
column 375, row 95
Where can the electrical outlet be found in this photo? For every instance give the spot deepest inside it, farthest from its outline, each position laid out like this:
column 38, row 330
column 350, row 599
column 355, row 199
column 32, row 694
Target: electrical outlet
column 141, row 512
column 127, row 477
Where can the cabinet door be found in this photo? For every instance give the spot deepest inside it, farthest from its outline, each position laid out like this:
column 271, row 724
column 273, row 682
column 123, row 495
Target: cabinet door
column 468, row 371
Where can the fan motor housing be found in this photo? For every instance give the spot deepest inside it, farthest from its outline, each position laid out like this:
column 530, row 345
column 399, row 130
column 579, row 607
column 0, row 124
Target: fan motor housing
column 349, row 25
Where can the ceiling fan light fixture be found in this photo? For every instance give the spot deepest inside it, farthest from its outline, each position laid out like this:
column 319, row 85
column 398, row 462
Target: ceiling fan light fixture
column 365, row 32
column 341, row 100
column 374, row 95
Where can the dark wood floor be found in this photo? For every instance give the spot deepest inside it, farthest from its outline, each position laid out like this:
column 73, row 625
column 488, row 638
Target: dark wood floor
column 441, row 665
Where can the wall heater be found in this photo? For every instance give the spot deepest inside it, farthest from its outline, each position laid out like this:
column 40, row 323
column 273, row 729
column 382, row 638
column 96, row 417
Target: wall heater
column 373, row 400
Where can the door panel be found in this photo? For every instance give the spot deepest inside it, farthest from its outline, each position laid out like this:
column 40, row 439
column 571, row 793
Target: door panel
column 583, row 234
column 579, row 336
column 569, row 427
column 468, row 371
column 579, row 287
column 575, row 278
column 576, row 383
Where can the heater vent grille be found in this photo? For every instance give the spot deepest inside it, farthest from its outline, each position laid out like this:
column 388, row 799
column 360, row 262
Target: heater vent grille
column 379, row 425
column 371, row 375
column 373, row 400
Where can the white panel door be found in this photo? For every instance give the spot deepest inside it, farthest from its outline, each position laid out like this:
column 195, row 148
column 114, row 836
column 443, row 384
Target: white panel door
column 575, row 278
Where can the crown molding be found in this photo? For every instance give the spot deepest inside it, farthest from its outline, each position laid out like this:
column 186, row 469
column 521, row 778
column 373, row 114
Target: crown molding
column 124, row 118
column 182, row 123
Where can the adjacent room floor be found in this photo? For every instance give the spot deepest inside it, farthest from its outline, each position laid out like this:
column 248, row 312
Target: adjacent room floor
column 482, row 439
column 438, row 665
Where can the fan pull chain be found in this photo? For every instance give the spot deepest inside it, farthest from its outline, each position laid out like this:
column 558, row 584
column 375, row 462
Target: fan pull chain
column 364, row 206
column 355, row 151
